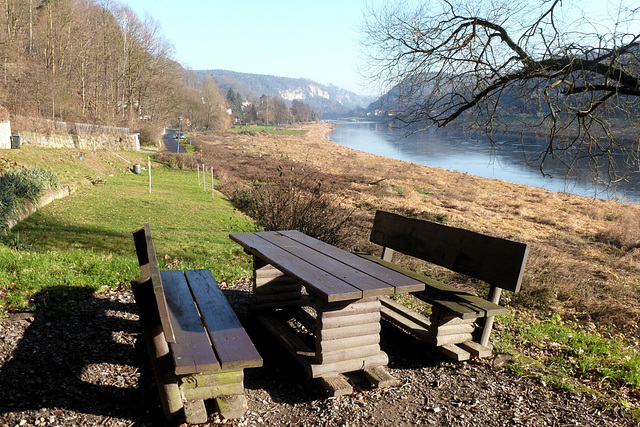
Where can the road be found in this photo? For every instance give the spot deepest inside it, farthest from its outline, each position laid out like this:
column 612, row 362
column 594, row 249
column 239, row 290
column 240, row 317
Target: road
column 171, row 143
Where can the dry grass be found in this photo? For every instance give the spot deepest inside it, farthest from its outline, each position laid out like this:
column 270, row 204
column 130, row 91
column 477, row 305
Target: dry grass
column 583, row 261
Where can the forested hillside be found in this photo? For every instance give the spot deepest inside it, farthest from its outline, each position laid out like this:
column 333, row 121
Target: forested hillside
column 97, row 61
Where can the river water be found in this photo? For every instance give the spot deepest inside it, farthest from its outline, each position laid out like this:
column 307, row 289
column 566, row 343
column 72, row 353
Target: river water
column 511, row 161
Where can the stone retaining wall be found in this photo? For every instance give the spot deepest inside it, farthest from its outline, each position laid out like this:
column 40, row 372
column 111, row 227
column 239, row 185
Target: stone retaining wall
column 83, row 142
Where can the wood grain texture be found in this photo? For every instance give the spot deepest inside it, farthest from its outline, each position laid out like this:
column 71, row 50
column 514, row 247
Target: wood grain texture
column 148, row 262
column 192, row 351
column 497, row 261
column 233, row 346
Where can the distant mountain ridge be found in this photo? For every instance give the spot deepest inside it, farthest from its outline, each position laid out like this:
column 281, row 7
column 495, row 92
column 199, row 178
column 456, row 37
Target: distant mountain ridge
column 328, row 100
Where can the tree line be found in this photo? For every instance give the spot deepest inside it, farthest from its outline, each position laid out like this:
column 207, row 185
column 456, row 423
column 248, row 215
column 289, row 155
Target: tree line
column 97, row 61
column 268, row 110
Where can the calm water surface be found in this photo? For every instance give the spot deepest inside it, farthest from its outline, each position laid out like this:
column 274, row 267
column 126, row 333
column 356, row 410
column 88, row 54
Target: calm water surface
column 511, row 161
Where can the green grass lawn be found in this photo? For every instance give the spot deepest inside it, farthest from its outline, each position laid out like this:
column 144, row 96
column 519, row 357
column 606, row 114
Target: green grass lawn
column 85, row 240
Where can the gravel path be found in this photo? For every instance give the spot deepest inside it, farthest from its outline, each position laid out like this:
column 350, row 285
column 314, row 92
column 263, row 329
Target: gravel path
column 90, row 368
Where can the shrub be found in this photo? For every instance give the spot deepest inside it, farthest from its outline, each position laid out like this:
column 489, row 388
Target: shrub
column 296, row 202
column 19, row 186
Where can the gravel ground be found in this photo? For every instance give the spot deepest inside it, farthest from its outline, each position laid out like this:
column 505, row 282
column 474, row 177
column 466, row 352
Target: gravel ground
column 91, row 368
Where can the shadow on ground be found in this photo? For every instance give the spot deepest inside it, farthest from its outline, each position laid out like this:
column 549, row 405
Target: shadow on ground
column 84, row 363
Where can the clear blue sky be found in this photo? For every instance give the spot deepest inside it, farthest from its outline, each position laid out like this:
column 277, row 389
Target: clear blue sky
column 315, row 39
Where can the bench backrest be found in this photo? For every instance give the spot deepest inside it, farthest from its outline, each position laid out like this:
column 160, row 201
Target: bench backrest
column 498, row 262
column 149, row 269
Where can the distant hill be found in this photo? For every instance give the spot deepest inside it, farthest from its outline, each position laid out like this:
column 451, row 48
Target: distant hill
column 328, row 100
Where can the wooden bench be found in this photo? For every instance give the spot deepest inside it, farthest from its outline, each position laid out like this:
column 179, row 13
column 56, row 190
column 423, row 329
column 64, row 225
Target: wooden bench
column 197, row 345
column 460, row 323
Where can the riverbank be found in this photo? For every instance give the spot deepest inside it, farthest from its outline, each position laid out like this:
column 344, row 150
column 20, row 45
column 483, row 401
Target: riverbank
column 583, row 262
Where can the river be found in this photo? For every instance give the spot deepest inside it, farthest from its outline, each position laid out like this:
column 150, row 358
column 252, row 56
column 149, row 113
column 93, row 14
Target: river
column 510, row 161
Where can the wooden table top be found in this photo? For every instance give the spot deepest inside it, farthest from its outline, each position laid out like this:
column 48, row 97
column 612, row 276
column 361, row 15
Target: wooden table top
column 326, row 271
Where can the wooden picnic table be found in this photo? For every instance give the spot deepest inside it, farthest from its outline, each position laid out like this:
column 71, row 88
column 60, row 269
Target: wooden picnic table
column 344, row 293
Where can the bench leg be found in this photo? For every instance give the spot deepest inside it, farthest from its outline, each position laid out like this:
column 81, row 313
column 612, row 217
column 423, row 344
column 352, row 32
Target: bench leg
column 271, row 286
column 195, row 412
column 494, row 297
column 233, row 406
column 168, row 388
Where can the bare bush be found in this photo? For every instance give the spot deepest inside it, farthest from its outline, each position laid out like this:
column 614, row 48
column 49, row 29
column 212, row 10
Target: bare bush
column 623, row 233
column 295, row 201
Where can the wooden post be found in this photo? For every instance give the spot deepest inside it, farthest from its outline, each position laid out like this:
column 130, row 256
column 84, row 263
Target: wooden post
column 494, row 297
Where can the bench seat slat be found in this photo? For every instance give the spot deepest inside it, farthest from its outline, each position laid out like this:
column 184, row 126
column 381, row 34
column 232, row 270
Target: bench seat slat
column 192, row 351
column 467, row 305
column 231, row 342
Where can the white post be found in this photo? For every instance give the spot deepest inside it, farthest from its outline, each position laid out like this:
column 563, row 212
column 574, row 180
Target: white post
column 198, row 167
column 149, row 169
column 204, row 179
column 212, row 196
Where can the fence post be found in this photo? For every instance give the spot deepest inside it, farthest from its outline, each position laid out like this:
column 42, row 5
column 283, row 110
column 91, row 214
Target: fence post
column 149, row 168
column 212, row 196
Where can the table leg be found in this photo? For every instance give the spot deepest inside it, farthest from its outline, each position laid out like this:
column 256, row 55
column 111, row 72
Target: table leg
column 348, row 337
column 271, row 287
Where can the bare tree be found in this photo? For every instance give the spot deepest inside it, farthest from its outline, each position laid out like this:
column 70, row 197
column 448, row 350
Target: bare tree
column 535, row 66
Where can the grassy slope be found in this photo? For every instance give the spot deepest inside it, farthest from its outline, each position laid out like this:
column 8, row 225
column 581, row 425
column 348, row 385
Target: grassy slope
column 85, row 239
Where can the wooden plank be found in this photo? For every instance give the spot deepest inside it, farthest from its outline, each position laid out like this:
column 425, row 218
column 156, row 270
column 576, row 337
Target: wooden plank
column 400, row 282
column 406, row 312
column 302, row 352
column 349, row 353
column 148, row 262
column 212, row 391
column 195, row 412
column 336, row 385
column 460, row 328
column 166, row 380
column 467, row 305
column 306, row 319
column 211, row 379
column 363, row 306
column 277, row 285
column 440, row 340
column 380, row 377
column 232, row 407
column 192, row 351
column 331, row 287
column 455, row 352
column 476, row 349
column 348, row 343
column 349, row 331
column 327, row 323
column 351, row 365
column 233, row 346
column 499, row 262
column 407, row 324
column 367, row 285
